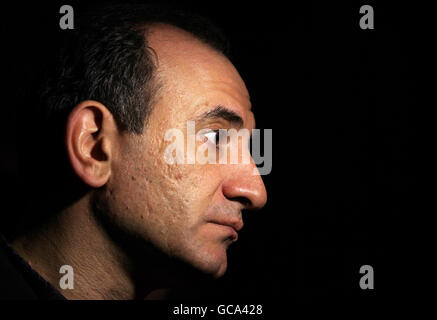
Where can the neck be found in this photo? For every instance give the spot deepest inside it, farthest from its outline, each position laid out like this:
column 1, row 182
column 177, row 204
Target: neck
column 102, row 270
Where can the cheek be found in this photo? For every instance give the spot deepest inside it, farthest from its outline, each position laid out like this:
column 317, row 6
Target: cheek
column 166, row 205
column 160, row 199
column 153, row 190
column 194, row 186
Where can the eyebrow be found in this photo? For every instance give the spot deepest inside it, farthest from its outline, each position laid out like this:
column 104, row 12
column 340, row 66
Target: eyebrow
column 221, row 112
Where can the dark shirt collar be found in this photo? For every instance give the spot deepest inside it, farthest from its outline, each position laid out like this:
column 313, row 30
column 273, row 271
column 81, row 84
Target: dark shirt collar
column 42, row 288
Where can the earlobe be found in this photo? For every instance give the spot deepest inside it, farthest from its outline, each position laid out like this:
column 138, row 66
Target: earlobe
column 89, row 138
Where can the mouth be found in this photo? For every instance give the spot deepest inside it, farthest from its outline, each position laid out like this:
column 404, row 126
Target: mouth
column 232, row 227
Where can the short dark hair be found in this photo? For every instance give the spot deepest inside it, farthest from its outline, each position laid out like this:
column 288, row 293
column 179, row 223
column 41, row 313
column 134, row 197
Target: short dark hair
column 107, row 58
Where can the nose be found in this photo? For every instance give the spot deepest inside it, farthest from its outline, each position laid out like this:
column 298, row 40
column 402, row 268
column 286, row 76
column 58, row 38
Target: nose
column 244, row 186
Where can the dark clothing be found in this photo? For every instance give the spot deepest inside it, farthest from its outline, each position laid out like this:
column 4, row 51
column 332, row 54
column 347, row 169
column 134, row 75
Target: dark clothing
column 18, row 281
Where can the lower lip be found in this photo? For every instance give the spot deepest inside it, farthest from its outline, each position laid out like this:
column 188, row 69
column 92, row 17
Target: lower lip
column 231, row 230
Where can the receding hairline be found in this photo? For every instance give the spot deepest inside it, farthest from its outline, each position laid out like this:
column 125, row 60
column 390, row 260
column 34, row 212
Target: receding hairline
column 157, row 32
column 171, row 43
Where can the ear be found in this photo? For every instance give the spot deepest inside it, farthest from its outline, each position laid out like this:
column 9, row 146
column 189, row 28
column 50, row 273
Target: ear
column 90, row 139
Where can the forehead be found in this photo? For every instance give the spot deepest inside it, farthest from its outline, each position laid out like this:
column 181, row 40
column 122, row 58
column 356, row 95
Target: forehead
column 193, row 71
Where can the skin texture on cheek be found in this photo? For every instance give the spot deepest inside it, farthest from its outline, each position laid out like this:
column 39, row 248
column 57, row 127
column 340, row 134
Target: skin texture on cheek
column 166, row 204
column 157, row 201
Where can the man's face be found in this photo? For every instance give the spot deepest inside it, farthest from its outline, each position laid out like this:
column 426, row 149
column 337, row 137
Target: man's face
column 188, row 211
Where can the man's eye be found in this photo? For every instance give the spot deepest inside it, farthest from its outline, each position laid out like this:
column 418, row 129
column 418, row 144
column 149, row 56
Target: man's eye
column 213, row 137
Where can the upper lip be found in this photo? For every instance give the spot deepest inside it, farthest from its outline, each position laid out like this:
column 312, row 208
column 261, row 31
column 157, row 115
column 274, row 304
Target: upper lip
column 237, row 225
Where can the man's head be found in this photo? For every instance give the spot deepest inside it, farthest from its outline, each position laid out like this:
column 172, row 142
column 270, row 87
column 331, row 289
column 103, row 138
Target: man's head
column 164, row 75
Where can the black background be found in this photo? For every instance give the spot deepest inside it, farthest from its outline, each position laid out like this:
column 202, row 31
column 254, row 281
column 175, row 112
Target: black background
column 341, row 102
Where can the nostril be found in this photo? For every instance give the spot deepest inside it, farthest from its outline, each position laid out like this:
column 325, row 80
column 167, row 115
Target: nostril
column 244, row 201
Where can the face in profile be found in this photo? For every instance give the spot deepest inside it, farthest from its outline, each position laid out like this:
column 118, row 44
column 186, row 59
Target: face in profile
column 191, row 212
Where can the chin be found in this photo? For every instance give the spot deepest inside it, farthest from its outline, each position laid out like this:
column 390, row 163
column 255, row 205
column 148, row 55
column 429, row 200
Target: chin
column 212, row 263
column 215, row 271
column 221, row 271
